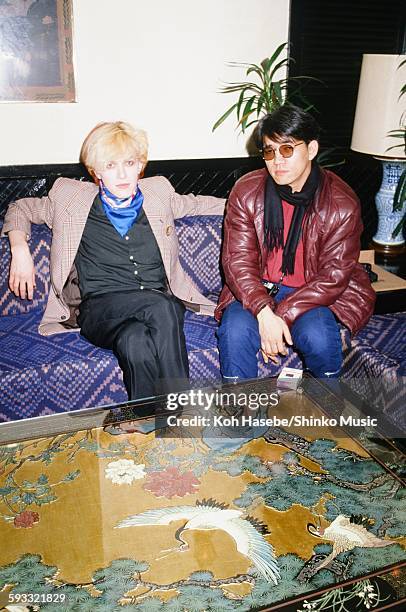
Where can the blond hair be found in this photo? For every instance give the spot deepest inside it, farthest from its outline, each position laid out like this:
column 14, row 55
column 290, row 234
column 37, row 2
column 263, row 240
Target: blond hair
column 111, row 140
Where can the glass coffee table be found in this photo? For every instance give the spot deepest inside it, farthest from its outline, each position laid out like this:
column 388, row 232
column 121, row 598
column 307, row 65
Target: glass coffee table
column 244, row 497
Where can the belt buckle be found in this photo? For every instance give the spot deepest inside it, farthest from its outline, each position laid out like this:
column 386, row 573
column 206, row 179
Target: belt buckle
column 272, row 288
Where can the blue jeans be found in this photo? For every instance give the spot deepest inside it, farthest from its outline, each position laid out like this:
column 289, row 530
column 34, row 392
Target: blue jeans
column 315, row 335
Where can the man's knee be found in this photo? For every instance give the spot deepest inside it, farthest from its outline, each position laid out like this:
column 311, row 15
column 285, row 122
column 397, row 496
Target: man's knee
column 166, row 311
column 316, row 331
column 316, row 335
column 134, row 343
column 238, row 328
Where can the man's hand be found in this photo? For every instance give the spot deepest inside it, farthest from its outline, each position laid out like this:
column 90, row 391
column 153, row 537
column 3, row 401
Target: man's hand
column 22, row 273
column 274, row 334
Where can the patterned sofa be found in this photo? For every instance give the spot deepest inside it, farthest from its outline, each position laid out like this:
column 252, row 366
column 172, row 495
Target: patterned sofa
column 42, row 375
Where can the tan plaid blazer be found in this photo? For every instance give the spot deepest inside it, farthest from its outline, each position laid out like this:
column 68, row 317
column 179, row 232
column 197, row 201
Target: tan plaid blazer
column 65, row 211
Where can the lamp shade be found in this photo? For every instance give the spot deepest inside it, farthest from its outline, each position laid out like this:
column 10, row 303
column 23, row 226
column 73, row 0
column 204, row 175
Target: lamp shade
column 379, row 108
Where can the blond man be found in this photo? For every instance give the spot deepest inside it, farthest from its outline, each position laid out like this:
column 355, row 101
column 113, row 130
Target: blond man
column 115, row 269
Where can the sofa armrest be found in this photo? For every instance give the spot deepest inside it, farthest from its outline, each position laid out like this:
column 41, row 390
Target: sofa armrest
column 39, row 244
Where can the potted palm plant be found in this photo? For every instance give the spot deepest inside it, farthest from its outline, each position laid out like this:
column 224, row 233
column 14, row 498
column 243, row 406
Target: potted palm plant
column 263, row 92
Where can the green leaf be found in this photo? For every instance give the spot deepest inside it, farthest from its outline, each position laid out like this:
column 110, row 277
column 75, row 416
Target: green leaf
column 247, row 125
column 265, row 65
column 43, row 479
column 28, row 498
column 400, row 193
column 234, row 86
column 278, row 66
column 278, row 92
column 333, row 164
column 239, row 103
column 11, row 460
column 42, row 490
column 306, row 77
column 257, row 69
column 399, row 226
column 224, row 117
column 276, row 54
column 6, row 491
column 46, row 457
column 241, row 87
column 401, row 133
column 247, row 112
column 260, row 103
column 71, row 476
column 46, row 499
column 239, row 64
column 244, row 121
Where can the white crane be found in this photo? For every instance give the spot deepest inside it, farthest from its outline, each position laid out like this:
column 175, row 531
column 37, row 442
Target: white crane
column 345, row 536
column 209, row 514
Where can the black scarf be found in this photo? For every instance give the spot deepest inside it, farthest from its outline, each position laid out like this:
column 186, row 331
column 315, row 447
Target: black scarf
column 273, row 215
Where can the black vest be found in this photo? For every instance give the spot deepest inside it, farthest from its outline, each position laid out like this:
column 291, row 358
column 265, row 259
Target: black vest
column 107, row 262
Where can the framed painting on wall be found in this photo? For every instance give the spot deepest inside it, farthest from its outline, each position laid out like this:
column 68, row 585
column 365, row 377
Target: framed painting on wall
column 36, row 51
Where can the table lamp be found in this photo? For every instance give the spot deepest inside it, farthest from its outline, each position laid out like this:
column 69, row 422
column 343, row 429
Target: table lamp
column 381, row 109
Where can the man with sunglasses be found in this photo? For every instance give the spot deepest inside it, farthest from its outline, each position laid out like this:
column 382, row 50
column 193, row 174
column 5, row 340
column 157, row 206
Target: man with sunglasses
column 290, row 256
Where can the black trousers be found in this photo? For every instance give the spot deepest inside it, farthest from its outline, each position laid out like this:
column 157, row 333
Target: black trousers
column 144, row 329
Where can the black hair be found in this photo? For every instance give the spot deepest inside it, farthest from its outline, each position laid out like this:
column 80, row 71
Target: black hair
column 288, row 121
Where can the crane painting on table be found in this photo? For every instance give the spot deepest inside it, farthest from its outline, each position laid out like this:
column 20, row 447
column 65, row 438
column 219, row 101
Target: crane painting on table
column 347, row 533
column 248, row 533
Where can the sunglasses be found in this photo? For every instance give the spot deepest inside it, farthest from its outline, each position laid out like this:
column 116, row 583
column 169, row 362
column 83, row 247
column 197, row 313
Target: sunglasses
column 286, row 150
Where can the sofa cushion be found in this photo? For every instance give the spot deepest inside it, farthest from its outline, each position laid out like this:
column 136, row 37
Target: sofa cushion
column 42, row 375
column 199, row 250
column 46, row 374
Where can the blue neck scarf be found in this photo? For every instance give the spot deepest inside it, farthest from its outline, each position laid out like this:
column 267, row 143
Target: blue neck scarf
column 121, row 212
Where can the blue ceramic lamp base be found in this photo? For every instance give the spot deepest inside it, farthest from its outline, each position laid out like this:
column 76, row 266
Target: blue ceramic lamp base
column 383, row 241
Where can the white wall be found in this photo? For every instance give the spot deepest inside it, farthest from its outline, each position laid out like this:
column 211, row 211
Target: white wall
column 156, row 63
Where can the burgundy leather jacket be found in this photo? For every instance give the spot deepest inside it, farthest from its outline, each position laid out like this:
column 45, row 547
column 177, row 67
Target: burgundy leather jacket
column 331, row 239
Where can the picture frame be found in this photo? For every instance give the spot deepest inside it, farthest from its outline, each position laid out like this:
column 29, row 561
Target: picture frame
column 36, row 51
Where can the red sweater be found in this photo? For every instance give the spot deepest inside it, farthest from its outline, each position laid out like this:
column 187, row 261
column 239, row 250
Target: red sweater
column 274, row 262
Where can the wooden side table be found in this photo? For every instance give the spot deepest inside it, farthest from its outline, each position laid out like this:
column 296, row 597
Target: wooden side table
column 390, row 288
